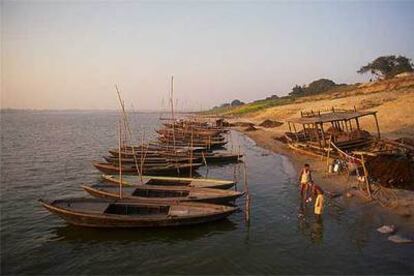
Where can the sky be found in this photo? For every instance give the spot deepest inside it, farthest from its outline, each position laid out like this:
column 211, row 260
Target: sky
column 69, row 54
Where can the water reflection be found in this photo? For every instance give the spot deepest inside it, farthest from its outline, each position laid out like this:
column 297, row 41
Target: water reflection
column 276, row 242
column 310, row 226
column 169, row 235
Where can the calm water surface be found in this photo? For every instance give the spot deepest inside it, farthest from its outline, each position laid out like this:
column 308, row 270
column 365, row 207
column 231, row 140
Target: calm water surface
column 49, row 154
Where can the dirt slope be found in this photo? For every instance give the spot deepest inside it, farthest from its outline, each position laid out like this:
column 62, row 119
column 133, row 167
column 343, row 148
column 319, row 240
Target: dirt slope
column 393, row 99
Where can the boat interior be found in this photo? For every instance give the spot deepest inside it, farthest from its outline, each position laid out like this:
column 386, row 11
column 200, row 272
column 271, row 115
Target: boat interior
column 159, row 193
column 136, row 210
column 90, row 205
column 167, row 182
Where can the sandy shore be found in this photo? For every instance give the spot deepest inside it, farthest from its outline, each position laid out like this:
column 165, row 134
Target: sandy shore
column 392, row 99
column 402, row 216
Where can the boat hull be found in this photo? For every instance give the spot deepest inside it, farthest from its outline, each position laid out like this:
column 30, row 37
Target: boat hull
column 170, row 170
column 85, row 219
column 172, row 181
column 214, row 199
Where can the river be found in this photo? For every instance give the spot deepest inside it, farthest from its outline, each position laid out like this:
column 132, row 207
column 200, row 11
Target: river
column 48, row 154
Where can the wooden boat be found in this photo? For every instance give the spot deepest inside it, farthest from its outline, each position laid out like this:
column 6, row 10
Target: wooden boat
column 93, row 212
column 130, row 169
column 152, row 161
column 130, row 153
column 222, row 157
column 162, row 147
column 171, row 181
column 199, row 131
column 209, row 145
column 197, row 127
column 179, row 153
column 179, row 136
column 189, row 133
column 142, row 193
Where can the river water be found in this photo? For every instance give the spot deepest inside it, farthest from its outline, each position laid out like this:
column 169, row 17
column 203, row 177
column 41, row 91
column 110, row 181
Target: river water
column 49, row 154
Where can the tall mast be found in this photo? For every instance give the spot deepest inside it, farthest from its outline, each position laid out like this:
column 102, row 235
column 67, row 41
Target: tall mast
column 125, row 117
column 172, row 111
column 172, row 98
column 120, row 158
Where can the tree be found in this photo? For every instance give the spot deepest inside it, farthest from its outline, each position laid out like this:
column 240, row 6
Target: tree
column 314, row 87
column 297, row 90
column 319, row 86
column 237, row 103
column 273, row 97
column 386, row 67
column 225, row 105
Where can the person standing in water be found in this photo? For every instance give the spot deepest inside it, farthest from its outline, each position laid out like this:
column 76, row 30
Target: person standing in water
column 305, row 179
column 319, row 201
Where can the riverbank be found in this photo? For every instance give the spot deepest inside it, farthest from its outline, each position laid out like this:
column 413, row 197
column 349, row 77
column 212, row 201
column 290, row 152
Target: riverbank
column 402, row 216
column 392, row 99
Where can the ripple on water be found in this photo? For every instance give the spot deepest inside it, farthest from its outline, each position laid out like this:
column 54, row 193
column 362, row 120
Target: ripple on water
column 49, row 154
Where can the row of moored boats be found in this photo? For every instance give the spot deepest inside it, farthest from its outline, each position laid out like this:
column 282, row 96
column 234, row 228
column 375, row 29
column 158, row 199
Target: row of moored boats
column 128, row 197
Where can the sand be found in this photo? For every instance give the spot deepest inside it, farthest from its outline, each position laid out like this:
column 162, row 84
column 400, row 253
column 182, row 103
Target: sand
column 394, row 107
column 394, row 102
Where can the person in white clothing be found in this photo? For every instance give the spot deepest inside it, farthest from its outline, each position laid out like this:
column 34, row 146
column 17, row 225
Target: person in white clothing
column 305, row 180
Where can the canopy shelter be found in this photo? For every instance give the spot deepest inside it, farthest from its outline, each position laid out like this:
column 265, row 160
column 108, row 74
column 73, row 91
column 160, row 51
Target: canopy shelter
column 338, row 126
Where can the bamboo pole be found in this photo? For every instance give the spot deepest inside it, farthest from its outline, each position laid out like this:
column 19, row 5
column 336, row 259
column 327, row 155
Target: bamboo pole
column 377, row 125
column 246, row 189
column 357, row 123
column 120, row 159
column 305, row 131
column 124, row 133
column 173, row 122
column 234, row 176
column 296, row 133
column 323, row 135
column 317, row 134
column 125, row 117
column 143, row 160
column 366, row 176
column 328, row 154
column 142, row 154
column 172, row 110
column 191, row 154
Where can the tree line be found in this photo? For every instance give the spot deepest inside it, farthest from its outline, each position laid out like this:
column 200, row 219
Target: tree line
column 384, row 67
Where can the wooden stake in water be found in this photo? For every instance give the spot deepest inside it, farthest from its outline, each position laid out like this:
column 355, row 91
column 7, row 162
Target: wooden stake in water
column 120, row 159
column 246, row 189
column 205, row 162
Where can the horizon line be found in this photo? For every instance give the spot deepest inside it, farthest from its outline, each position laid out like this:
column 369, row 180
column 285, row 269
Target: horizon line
column 87, row 109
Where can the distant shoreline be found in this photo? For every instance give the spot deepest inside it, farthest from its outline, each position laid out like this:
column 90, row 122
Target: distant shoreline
column 86, row 110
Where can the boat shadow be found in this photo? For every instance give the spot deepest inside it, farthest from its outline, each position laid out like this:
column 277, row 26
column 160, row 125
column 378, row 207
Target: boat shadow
column 71, row 233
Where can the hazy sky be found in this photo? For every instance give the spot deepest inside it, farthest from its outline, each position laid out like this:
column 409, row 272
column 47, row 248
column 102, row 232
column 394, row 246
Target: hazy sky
column 69, row 54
